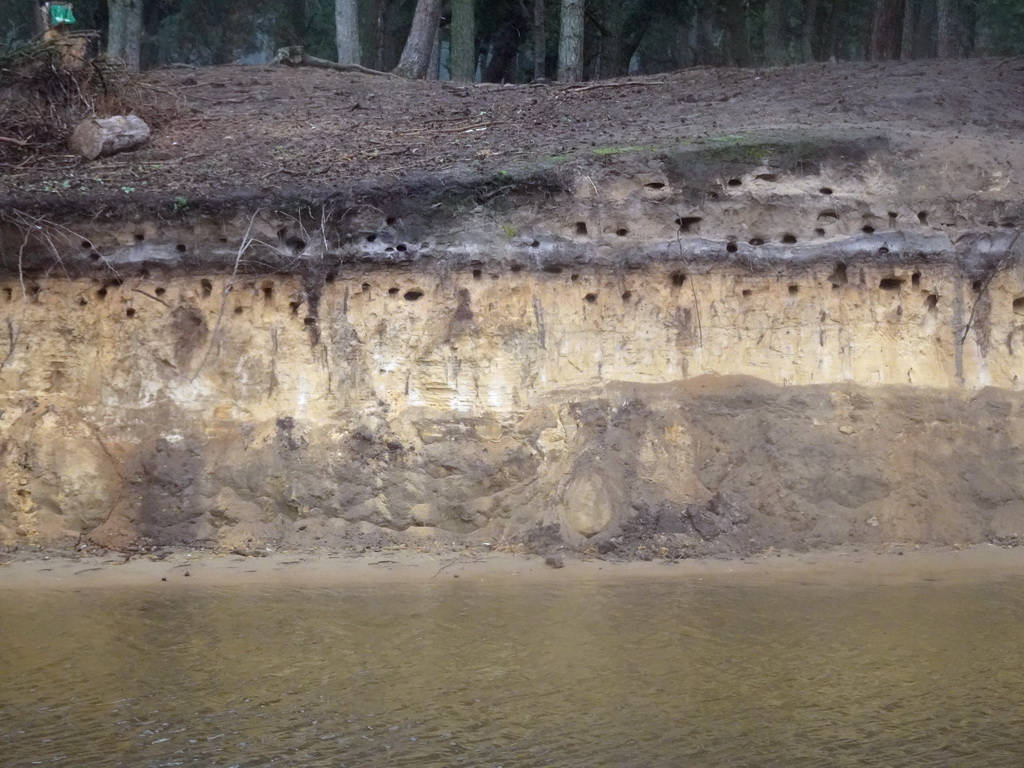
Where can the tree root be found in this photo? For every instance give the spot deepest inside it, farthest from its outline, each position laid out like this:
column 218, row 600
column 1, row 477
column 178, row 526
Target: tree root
column 295, row 56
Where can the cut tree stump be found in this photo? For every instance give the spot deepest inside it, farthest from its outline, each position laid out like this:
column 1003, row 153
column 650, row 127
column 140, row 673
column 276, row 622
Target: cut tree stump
column 294, row 56
column 98, row 137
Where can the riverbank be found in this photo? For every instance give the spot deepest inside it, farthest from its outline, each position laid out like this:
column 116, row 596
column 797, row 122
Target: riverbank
column 199, row 569
column 750, row 321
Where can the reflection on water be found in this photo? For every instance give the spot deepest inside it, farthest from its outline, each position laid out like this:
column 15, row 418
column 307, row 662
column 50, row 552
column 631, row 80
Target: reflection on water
column 452, row 673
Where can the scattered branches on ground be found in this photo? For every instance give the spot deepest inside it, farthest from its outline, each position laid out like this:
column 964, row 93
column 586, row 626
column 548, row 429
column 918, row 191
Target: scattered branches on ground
column 48, row 86
column 295, row 56
column 612, row 84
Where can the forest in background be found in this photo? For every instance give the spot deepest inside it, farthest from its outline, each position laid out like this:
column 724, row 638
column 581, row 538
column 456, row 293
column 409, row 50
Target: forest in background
column 519, row 40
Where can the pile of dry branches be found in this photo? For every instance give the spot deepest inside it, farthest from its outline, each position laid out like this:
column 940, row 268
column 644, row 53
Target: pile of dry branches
column 48, row 86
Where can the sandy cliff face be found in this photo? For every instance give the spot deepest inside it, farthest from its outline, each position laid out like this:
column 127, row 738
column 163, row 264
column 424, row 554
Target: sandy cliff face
column 783, row 344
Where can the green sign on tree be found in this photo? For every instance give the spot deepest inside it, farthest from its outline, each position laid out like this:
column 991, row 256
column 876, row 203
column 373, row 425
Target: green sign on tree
column 61, row 13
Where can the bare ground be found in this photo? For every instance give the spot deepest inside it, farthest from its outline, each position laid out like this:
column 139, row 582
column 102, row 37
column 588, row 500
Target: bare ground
column 258, row 135
column 198, row 570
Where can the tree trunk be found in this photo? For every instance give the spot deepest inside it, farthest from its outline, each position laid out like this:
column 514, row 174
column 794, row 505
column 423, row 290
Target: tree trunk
column 463, row 40
column 909, row 27
column 434, row 65
column 949, row 29
column 133, row 36
column 621, row 29
column 38, row 18
column 705, row 50
column 504, row 47
column 926, row 34
column 117, row 11
column 682, row 43
column 807, row 30
column 540, row 41
column 624, row 53
column 297, row 20
column 775, row 32
column 97, row 138
column 346, row 31
column 981, row 41
column 886, row 30
column 628, row 45
column 968, row 26
column 384, row 55
column 736, row 32
column 124, row 35
column 834, row 29
column 570, row 42
column 420, row 43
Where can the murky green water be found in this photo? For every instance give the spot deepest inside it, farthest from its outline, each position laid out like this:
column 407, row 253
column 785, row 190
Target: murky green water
column 453, row 673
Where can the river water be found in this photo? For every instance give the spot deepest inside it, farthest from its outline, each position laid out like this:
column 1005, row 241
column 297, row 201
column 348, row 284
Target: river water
column 451, row 673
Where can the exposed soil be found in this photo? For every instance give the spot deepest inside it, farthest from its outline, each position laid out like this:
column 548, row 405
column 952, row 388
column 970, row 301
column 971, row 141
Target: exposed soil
column 258, row 135
column 763, row 467
column 713, row 466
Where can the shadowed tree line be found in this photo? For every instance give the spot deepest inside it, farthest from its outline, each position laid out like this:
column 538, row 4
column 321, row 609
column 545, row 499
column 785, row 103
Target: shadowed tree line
column 524, row 40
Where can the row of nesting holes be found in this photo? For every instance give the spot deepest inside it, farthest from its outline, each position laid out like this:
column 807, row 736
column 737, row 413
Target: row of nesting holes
column 678, row 279
column 685, row 225
column 139, row 237
column 838, row 279
column 266, row 289
column 922, row 216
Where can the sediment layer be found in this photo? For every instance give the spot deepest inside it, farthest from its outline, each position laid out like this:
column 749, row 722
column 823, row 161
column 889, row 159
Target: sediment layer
column 774, row 341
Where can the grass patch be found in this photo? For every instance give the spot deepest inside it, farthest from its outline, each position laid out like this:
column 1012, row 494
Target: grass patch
column 622, row 150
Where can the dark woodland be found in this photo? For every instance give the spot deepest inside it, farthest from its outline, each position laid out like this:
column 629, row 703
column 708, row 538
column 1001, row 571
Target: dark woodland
column 519, row 40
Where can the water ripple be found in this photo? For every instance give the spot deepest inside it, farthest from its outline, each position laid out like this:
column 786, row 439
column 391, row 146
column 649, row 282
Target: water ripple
column 625, row 674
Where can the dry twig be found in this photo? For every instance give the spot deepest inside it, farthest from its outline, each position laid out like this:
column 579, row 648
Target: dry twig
column 983, row 290
column 613, row 84
column 247, row 240
column 295, row 56
column 45, row 93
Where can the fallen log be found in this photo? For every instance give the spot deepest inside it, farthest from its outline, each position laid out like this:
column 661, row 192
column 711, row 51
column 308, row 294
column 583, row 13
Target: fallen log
column 98, row 137
column 295, row 56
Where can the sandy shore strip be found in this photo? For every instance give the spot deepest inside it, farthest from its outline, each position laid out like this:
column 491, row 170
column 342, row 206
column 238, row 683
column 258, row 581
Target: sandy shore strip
column 193, row 569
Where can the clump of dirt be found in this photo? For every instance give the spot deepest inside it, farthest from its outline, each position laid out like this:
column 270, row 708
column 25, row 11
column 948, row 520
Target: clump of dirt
column 542, row 539
column 675, row 533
